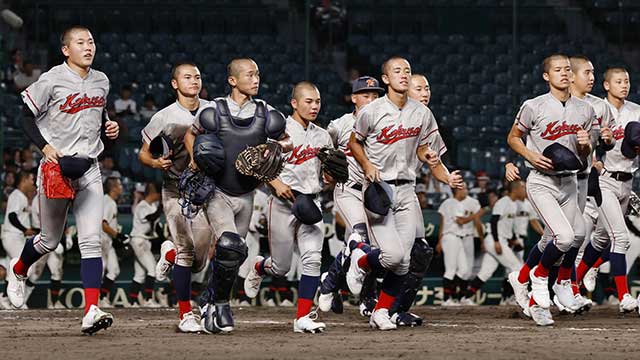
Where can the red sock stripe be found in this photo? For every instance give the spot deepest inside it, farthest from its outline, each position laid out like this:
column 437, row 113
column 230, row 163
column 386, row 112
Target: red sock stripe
column 523, row 276
column 304, row 307
column 385, row 301
column 564, row 273
column 363, row 263
column 20, row 268
column 621, row 285
column 184, row 306
column 91, row 296
column 170, row 256
column 541, row 271
column 575, row 288
column 581, row 270
column 598, row 263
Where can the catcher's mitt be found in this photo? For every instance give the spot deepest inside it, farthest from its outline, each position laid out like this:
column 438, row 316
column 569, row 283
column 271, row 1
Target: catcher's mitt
column 195, row 189
column 264, row 161
column 334, row 163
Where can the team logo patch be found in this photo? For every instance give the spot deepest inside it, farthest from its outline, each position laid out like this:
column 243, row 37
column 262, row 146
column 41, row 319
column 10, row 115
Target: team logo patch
column 555, row 131
column 300, row 155
column 389, row 135
column 618, row 133
column 75, row 104
column 371, row 83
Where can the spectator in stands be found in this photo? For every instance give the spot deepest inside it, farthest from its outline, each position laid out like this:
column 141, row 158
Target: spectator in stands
column 14, row 67
column 9, row 184
column 106, row 168
column 421, row 191
column 26, row 76
column 148, row 108
column 125, row 105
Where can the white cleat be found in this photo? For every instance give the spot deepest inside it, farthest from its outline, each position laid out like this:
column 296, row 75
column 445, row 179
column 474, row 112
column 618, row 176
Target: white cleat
column 381, row 320
column 540, row 289
column 540, row 315
column 58, row 305
column 564, row 293
column 16, row 285
column 451, row 302
column 589, row 280
column 244, row 303
column 95, row 320
column 104, row 303
column 164, row 266
column 286, row 303
column 628, row 304
column 611, row 300
column 563, row 309
column 253, row 280
column 355, row 275
column 270, row 303
column 307, row 324
column 585, row 303
column 520, row 290
column 150, row 303
column 467, row 302
column 324, row 302
column 190, row 323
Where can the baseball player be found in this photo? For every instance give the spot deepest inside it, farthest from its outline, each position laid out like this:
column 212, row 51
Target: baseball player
column 257, row 228
column 450, row 244
column 348, row 198
column 236, row 121
column 110, row 233
column 420, row 90
column 558, row 125
column 497, row 243
column 525, row 217
column 633, row 252
column 615, row 183
column 147, row 212
column 69, row 102
column 300, row 179
column 191, row 239
column 388, row 134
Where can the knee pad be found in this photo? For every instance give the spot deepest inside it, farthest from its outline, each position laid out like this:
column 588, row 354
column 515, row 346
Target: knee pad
column 361, row 229
column 421, row 255
column 231, row 251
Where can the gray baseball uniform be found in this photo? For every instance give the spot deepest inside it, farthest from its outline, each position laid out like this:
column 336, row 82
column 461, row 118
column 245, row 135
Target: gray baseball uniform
column 68, row 111
column 391, row 137
column 545, row 120
column 302, row 172
column 191, row 237
column 455, row 259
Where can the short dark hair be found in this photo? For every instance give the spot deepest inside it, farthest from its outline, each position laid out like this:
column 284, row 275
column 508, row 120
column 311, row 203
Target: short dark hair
column 614, row 70
column 301, row 85
column 177, row 65
column 546, row 63
column 21, row 175
column 110, row 183
column 151, row 187
column 383, row 68
column 64, row 37
column 232, row 66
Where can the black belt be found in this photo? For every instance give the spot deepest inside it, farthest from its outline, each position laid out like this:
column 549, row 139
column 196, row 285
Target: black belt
column 561, row 175
column 583, row 176
column 619, row 175
column 398, row 182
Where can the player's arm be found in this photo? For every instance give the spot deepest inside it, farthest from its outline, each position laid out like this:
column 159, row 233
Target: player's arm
column 478, row 224
column 439, row 171
column 113, row 233
column 154, row 215
column 439, row 244
column 461, row 220
column 111, row 128
column 430, row 137
column 631, row 226
column 282, row 190
column 33, row 133
column 514, row 139
column 285, row 142
column 147, row 159
column 356, row 146
column 536, row 226
column 13, row 219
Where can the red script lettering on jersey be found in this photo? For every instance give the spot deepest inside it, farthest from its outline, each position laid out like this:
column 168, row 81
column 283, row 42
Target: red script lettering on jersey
column 554, row 132
column 75, row 104
column 300, row 155
column 618, row 133
column 389, row 135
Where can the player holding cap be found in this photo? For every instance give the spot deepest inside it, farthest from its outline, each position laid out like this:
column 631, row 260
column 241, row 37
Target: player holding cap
column 69, row 102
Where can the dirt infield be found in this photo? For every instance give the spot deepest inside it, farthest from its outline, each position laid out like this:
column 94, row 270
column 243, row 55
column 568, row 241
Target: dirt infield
column 266, row 333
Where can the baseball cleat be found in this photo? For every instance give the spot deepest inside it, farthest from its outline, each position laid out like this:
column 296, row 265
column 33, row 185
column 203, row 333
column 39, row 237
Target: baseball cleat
column 611, row 300
column 520, row 290
column 286, row 303
column 164, row 266
column 190, row 323
column 150, row 303
column 628, row 304
column 540, row 289
column 467, row 302
column 589, row 280
column 380, row 320
column 451, row 302
column 355, row 275
column 563, row 309
column 253, row 280
column 541, row 316
column 307, row 324
column 366, row 306
column 270, row 303
column 406, row 319
column 104, row 303
column 16, row 286
column 564, row 293
column 217, row 318
column 325, row 301
column 95, row 320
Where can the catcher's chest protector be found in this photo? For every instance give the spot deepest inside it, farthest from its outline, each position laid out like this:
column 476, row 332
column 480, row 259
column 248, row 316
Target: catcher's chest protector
column 236, row 135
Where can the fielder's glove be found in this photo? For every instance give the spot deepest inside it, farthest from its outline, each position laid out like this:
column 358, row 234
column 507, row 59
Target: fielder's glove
column 334, row 163
column 264, row 161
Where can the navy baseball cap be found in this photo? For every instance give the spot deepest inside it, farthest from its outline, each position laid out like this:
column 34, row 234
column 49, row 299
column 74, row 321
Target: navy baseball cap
column 631, row 140
column 74, row 167
column 365, row 83
column 562, row 158
column 306, row 210
column 378, row 198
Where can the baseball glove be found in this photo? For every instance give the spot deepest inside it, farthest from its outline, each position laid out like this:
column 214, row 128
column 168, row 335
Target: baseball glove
column 334, row 163
column 195, row 189
column 264, row 161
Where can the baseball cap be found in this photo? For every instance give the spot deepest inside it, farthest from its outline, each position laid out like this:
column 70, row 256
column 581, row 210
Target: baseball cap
column 562, row 157
column 631, row 140
column 365, row 83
